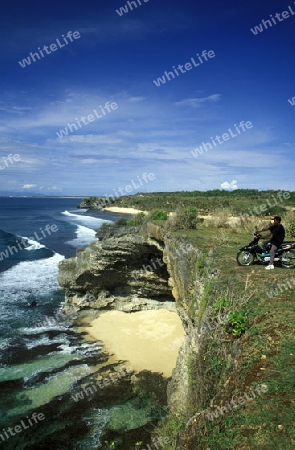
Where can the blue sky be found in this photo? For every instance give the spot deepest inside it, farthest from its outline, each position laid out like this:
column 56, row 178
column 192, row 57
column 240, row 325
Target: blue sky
column 154, row 129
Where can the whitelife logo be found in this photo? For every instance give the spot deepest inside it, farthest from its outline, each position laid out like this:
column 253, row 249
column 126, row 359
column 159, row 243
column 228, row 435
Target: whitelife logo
column 112, row 378
column 53, row 47
column 27, row 242
column 221, row 139
column 159, row 442
column 184, row 68
column 22, row 426
column 124, row 9
column 267, row 23
column 91, row 118
column 279, row 199
column 220, row 410
column 281, row 288
column 11, row 159
column 108, row 199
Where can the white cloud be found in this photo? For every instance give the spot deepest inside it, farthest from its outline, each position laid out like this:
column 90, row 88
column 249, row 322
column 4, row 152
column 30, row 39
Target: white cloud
column 90, row 139
column 97, row 161
column 53, row 189
column 28, row 186
column 154, row 138
column 199, row 101
column 136, row 99
column 231, row 186
column 125, row 133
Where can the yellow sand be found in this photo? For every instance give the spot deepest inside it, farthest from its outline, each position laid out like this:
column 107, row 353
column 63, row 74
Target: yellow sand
column 146, row 339
column 116, row 209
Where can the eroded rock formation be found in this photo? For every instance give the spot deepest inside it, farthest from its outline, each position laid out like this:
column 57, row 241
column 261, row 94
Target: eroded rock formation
column 124, row 271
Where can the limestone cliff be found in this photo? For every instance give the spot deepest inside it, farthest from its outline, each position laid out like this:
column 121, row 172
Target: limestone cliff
column 122, row 271
column 132, row 269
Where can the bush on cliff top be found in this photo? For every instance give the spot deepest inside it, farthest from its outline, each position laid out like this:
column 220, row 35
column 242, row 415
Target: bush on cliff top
column 184, row 219
column 159, row 214
column 138, row 219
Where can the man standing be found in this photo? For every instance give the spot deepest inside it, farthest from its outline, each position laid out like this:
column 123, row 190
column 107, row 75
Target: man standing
column 277, row 235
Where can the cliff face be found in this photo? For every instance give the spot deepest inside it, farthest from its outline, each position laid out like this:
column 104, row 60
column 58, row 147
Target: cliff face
column 93, row 202
column 123, row 271
column 148, row 269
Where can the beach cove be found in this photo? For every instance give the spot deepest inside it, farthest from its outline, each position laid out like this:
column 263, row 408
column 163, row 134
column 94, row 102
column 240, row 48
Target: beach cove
column 148, row 340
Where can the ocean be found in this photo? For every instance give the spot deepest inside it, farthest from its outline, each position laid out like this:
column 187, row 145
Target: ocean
column 42, row 356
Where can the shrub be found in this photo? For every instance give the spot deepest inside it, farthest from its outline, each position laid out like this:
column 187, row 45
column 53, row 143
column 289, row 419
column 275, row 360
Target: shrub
column 237, row 323
column 221, row 304
column 291, row 229
column 121, row 222
column 159, row 214
column 110, row 445
column 185, row 219
column 221, row 217
column 189, row 217
column 105, row 226
column 138, row 219
column 208, row 290
column 273, row 211
column 200, row 265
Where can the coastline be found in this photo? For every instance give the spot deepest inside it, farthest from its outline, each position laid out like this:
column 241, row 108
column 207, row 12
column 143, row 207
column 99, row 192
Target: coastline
column 116, row 209
column 148, row 340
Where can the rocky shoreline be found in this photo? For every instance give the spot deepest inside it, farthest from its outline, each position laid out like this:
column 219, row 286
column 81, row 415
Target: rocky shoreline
column 136, row 269
column 127, row 270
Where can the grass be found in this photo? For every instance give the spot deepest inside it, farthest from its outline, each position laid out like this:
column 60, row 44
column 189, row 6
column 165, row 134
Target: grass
column 267, row 422
column 266, row 352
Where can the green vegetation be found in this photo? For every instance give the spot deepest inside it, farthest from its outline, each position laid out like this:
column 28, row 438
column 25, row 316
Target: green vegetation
column 106, row 226
column 291, row 229
column 253, row 346
column 106, row 229
column 192, row 370
column 185, row 218
column 221, row 304
column 200, row 265
column 110, row 445
column 159, row 214
column 170, row 427
column 138, row 219
column 90, row 202
column 237, row 323
column 240, row 201
column 208, row 290
column 119, row 223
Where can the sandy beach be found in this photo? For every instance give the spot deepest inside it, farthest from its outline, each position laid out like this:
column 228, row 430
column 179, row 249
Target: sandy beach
column 146, row 339
column 116, row 209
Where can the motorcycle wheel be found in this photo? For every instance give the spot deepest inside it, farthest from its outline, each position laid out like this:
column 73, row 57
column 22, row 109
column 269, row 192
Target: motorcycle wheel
column 288, row 259
column 245, row 258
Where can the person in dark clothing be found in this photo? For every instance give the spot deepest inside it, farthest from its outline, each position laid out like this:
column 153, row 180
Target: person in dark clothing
column 32, row 304
column 277, row 236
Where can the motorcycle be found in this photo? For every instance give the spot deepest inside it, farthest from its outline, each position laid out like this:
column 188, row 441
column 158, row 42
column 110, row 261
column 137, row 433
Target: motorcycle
column 252, row 252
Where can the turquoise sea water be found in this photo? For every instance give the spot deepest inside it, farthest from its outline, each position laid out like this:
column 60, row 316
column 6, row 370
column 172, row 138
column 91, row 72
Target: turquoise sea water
column 42, row 358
